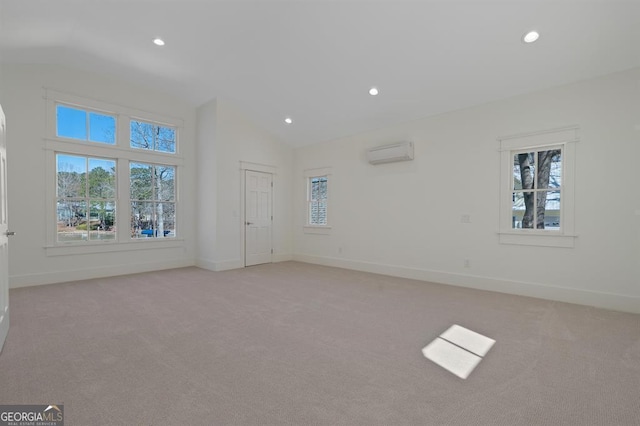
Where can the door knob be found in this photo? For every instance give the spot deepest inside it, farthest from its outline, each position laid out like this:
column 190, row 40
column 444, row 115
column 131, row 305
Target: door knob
column 9, row 233
column 249, row 223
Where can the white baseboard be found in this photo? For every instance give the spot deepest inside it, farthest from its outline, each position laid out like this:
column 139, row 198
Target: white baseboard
column 28, row 280
column 226, row 265
column 207, row 264
column 282, row 257
column 542, row 291
column 223, row 265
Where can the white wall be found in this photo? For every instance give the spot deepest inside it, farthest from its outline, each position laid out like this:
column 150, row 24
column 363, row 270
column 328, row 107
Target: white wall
column 211, row 232
column 222, row 147
column 401, row 219
column 405, row 218
column 207, row 184
column 24, row 105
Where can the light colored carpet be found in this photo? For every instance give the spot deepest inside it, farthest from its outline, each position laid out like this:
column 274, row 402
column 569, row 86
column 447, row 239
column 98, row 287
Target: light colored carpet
column 299, row 344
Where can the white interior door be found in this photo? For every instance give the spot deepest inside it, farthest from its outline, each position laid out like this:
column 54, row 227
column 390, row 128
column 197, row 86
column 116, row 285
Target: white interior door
column 258, row 217
column 4, row 234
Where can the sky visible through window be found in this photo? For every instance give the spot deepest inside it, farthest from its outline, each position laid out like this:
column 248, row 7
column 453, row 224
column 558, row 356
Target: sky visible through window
column 71, row 163
column 87, row 185
column 72, row 123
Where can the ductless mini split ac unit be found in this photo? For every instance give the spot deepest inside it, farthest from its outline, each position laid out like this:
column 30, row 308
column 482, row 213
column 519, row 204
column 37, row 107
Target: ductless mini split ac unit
column 402, row 151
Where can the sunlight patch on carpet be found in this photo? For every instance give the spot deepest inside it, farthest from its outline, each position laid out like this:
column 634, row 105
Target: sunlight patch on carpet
column 458, row 350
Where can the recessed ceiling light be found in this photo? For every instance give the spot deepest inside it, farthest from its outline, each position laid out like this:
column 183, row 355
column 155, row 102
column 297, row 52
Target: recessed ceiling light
column 530, row 37
column 373, row 91
column 288, row 120
column 158, row 42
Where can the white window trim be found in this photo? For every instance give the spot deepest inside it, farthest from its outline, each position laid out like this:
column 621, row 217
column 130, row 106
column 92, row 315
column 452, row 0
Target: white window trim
column 308, row 174
column 566, row 138
column 123, row 154
column 52, row 97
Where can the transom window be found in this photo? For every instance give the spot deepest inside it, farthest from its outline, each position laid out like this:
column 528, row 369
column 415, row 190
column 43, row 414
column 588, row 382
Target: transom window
column 85, row 125
column 152, row 137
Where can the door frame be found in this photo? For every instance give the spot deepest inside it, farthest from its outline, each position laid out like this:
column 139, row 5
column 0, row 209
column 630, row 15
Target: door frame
column 4, row 228
column 254, row 167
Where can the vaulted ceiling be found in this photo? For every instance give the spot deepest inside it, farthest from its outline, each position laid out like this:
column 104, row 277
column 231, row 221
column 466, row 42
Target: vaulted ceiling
column 315, row 60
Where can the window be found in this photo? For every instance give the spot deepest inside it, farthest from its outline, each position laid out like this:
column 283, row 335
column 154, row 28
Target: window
column 537, row 179
column 537, row 188
column 114, row 176
column 152, row 137
column 86, row 201
column 318, row 200
column 85, row 125
column 153, row 207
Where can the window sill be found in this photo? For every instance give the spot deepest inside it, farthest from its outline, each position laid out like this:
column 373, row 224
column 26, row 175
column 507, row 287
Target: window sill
column 541, row 239
column 317, row 229
column 108, row 247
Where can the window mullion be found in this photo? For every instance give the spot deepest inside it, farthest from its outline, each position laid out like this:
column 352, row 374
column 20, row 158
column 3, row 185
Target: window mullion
column 155, row 130
column 87, row 201
column 122, row 132
column 154, row 196
column 123, row 214
column 87, row 129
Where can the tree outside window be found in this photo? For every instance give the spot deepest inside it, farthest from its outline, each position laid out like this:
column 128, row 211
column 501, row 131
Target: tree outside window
column 82, row 199
column 86, row 198
column 152, row 137
column 153, row 204
column 537, row 189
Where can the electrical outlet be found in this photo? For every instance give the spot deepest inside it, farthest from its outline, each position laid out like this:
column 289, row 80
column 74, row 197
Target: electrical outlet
column 465, row 218
column 467, row 263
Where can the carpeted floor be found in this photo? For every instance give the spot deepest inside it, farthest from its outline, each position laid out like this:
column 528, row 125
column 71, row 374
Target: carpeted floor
column 299, row 344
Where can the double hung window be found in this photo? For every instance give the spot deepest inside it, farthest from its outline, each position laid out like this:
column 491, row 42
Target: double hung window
column 317, row 200
column 318, row 190
column 537, row 188
column 115, row 171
